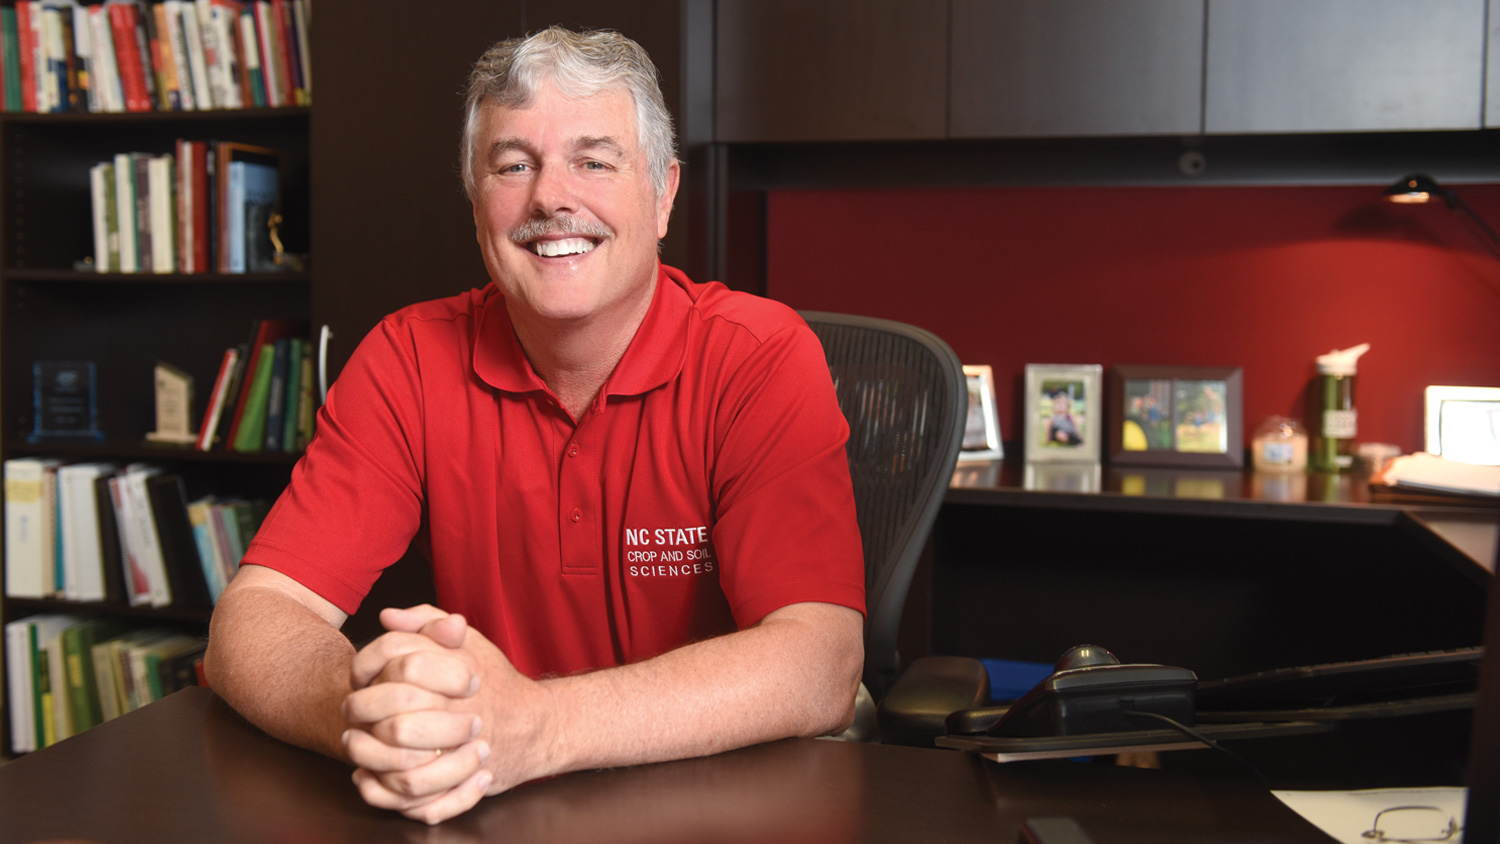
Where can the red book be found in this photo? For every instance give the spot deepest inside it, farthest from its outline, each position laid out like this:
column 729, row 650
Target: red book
column 198, row 184
column 216, row 399
column 26, row 37
column 129, row 58
column 286, row 51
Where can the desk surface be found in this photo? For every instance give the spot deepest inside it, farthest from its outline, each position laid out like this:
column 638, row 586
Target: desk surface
column 188, row 769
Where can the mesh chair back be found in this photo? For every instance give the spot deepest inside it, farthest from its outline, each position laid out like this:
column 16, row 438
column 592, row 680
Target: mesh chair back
column 903, row 391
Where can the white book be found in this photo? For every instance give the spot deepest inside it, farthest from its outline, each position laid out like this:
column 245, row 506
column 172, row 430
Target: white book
column 49, row 89
column 18, row 685
column 83, row 47
column 163, row 219
column 192, row 35
column 186, row 240
column 130, row 262
column 266, row 25
column 137, row 577
column 224, row 25
column 106, row 77
column 82, row 538
column 98, row 202
column 28, row 528
column 149, row 549
column 250, row 51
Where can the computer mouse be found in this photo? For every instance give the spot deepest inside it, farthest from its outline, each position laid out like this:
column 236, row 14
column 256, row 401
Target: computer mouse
column 1084, row 656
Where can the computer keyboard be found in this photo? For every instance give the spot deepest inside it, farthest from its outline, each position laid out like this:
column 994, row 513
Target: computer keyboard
column 1398, row 677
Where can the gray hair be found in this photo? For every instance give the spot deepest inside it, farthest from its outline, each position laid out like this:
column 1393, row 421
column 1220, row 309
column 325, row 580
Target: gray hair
column 579, row 64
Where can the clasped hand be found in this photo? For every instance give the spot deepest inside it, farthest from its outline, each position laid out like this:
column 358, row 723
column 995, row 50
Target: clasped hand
column 439, row 717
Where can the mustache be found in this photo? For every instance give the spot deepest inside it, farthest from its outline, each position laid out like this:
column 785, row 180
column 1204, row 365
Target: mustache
column 565, row 224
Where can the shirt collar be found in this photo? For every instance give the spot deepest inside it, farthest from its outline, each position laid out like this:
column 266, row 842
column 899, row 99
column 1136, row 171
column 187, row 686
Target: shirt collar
column 653, row 358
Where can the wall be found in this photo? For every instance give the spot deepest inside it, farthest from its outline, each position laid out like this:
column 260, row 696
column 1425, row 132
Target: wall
column 1265, row 278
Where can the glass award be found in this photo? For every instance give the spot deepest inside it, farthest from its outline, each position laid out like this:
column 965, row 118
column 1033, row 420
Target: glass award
column 65, row 402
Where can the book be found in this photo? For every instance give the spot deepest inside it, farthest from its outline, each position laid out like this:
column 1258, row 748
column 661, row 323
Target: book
column 307, row 401
column 125, row 213
column 263, row 333
column 162, row 198
column 28, row 48
column 132, row 57
column 84, row 706
column 200, row 512
column 208, row 431
column 187, row 585
column 254, row 80
column 105, row 217
column 276, row 394
column 250, row 424
column 1431, row 473
column 225, row 153
column 145, row 572
column 83, row 539
column 28, row 527
column 197, row 59
column 10, row 58
column 109, row 542
column 296, row 354
column 107, row 82
column 145, row 252
column 261, row 199
column 164, row 68
column 18, row 685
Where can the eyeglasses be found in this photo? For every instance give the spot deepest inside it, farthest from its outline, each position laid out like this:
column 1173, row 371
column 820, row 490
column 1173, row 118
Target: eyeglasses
column 1412, row 824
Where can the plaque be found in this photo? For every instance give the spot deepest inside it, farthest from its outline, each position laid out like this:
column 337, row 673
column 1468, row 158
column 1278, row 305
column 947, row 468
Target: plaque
column 65, row 402
column 174, row 405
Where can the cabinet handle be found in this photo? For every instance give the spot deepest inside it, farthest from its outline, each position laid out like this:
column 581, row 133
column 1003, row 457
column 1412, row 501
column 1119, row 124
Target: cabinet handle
column 324, row 335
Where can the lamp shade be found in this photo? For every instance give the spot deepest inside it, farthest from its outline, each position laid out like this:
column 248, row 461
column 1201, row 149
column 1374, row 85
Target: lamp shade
column 1413, row 189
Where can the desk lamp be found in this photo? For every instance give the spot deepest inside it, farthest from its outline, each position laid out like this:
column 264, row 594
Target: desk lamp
column 1420, row 188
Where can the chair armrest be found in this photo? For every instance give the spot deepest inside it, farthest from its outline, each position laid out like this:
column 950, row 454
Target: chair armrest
column 916, row 708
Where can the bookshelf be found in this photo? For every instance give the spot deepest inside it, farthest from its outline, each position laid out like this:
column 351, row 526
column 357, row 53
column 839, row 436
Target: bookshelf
column 55, row 306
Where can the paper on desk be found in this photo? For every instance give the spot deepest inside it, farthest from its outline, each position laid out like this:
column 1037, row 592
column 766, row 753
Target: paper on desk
column 1429, row 471
column 1348, row 815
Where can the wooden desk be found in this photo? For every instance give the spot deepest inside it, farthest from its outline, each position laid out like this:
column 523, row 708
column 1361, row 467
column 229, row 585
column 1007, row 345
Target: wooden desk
column 188, row 769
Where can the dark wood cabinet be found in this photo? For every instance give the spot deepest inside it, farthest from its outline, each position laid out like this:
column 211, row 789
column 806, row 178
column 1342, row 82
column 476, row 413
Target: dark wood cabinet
column 789, row 70
column 1029, row 68
column 1343, row 65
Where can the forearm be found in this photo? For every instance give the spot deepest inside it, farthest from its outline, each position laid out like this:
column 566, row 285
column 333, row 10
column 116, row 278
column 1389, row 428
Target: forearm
column 281, row 665
column 795, row 674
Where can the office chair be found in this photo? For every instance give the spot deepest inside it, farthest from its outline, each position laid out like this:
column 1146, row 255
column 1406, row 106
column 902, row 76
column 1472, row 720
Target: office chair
column 903, row 392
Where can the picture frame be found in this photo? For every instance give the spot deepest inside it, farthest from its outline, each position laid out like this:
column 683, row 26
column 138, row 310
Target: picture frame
column 1064, row 412
column 982, row 430
column 1190, row 416
column 1463, row 423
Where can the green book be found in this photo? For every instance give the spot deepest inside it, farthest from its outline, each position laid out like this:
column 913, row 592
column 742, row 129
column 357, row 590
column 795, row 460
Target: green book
column 298, row 348
column 10, row 43
column 251, row 435
column 78, row 658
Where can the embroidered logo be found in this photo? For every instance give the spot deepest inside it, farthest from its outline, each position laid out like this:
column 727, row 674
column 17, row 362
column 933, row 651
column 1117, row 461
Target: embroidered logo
column 668, row 552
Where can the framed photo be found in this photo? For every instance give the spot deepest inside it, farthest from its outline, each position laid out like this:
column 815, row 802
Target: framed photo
column 1064, row 413
column 1463, row 424
column 982, row 432
column 1177, row 416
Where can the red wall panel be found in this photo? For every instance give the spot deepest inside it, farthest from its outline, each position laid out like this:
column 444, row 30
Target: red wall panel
column 1265, row 278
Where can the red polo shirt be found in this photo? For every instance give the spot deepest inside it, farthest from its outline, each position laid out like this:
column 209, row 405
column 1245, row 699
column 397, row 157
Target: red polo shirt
column 704, row 488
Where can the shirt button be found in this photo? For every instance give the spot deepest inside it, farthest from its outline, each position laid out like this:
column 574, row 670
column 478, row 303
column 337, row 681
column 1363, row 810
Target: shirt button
column 573, row 450
column 576, row 515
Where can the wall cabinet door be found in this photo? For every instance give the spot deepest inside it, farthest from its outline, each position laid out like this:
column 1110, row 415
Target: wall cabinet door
column 790, row 70
column 1076, row 68
column 1344, row 65
column 1492, row 69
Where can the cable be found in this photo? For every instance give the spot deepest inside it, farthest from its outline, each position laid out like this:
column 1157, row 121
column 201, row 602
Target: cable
column 1197, row 736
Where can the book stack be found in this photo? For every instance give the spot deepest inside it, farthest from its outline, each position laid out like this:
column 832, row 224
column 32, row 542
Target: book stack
column 66, row 674
column 103, row 532
column 263, row 398
column 175, row 55
column 204, row 207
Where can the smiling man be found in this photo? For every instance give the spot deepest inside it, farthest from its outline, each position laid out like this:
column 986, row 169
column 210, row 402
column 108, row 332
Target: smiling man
column 632, row 487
